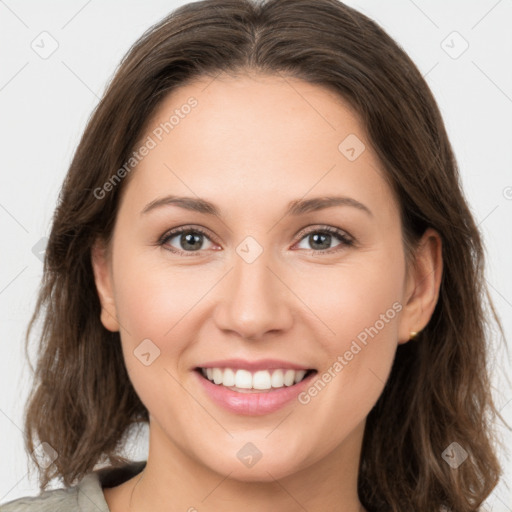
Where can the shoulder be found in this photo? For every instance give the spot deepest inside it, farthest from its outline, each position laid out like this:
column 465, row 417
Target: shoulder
column 83, row 497
column 86, row 496
column 51, row 500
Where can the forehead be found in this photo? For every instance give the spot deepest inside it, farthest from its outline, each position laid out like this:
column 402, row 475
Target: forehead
column 258, row 136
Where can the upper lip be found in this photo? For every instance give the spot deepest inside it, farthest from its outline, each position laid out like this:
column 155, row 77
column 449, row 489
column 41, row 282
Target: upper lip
column 261, row 364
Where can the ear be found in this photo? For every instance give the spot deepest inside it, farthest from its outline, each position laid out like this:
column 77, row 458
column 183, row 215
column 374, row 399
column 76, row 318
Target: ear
column 102, row 268
column 422, row 285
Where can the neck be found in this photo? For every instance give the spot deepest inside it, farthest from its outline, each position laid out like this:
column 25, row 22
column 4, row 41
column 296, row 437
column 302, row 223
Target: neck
column 175, row 480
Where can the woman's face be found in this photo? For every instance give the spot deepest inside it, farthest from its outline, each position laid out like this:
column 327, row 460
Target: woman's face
column 262, row 282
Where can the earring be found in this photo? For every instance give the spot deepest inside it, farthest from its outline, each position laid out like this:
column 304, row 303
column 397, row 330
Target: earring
column 413, row 334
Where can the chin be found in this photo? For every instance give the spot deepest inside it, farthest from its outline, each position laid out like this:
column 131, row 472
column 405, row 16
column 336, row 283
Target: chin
column 273, row 463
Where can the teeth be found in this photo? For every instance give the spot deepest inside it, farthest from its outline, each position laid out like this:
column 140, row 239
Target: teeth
column 228, row 378
column 261, row 379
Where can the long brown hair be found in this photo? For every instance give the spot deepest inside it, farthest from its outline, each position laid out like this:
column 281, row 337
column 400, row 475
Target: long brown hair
column 83, row 403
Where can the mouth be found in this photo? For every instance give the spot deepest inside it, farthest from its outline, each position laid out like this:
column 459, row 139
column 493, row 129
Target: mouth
column 260, row 381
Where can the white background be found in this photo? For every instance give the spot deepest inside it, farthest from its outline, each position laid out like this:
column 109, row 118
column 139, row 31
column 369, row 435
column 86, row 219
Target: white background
column 45, row 104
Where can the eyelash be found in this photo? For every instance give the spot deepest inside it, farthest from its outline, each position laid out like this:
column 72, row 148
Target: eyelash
column 342, row 237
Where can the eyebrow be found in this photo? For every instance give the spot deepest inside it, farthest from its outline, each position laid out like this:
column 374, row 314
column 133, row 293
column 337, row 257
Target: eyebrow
column 294, row 208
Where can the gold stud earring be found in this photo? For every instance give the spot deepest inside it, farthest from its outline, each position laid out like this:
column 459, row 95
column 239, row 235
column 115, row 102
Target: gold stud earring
column 413, row 334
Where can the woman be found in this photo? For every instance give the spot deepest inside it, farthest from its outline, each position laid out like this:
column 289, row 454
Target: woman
column 184, row 287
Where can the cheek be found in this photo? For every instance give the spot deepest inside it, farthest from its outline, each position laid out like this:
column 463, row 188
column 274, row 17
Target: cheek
column 152, row 304
column 360, row 305
column 355, row 296
column 152, row 295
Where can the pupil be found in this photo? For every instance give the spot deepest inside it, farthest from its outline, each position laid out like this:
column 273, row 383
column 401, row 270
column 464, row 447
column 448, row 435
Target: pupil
column 314, row 238
column 185, row 240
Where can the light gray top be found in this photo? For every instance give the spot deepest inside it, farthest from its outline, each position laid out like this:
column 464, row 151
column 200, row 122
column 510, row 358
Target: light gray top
column 86, row 496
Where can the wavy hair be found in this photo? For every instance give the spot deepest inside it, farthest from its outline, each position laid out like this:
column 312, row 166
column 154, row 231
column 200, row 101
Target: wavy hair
column 82, row 402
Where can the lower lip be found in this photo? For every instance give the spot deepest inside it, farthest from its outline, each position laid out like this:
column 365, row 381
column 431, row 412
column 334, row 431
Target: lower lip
column 252, row 404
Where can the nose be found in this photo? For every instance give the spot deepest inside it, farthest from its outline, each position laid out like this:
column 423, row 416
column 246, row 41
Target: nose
column 255, row 299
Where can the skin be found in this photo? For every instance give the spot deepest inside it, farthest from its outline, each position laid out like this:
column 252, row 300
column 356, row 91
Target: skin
column 251, row 138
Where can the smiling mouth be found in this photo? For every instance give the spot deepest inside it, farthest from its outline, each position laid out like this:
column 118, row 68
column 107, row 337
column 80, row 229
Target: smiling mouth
column 244, row 381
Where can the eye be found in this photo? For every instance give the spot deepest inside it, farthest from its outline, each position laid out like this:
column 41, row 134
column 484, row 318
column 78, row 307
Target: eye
column 321, row 238
column 190, row 239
